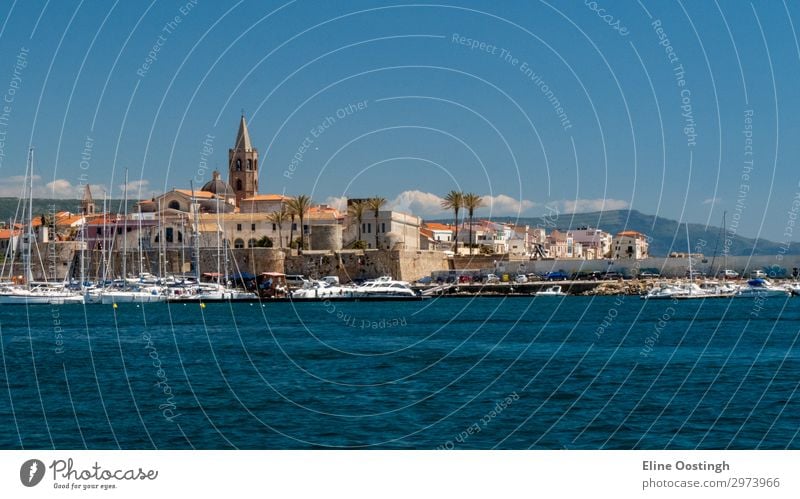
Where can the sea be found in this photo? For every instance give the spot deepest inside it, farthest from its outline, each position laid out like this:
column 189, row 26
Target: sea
column 447, row 373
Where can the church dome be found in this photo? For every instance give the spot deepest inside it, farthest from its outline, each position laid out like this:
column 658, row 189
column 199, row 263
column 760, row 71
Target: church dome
column 218, row 186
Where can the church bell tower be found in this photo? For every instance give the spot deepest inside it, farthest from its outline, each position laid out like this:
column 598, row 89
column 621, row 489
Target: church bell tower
column 243, row 165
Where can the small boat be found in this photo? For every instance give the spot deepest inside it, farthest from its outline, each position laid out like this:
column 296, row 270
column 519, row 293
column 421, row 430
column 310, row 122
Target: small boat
column 762, row 288
column 793, row 288
column 551, row 291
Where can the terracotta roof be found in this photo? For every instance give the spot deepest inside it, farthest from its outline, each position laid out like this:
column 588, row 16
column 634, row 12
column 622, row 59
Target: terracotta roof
column 268, row 197
column 438, row 226
column 197, row 194
column 427, row 233
column 7, row 233
column 630, row 233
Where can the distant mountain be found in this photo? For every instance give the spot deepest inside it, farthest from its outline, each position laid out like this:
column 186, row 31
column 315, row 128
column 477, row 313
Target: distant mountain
column 667, row 235
column 8, row 206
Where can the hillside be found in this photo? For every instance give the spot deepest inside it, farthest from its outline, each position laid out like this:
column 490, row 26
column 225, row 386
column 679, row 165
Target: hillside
column 8, row 206
column 667, row 235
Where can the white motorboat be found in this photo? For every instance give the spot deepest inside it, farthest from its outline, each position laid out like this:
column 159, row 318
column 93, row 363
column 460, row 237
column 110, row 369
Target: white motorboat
column 148, row 294
column 314, row 290
column 762, row 288
column 678, row 291
column 208, row 292
column 384, row 287
column 38, row 295
column 551, row 291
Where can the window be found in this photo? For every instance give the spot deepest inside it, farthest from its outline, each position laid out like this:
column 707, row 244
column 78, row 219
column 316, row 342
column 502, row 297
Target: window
column 169, row 234
column 249, row 164
column 253, row 227
column 294, row 226
column 174, row 205
column 305, row 229
column 369, row 228
column 274, row 227
column 238, row 165
column 251, row 243
column 256, row 166
column 383, row 227
column 238, row 244
column 238, row 227
column 238, row 184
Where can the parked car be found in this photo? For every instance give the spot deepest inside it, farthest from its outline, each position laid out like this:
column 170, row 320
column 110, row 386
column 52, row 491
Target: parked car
column 521, row 279
column 758, row 274
column 612, row 276
column 534, row 277
column 649, row 274
column 695, row 274
column 464, row 279
column 558, row 275
column 586, row 275
column 425, row 280
column 492, row 279
column 728, row 274
column 295, row 280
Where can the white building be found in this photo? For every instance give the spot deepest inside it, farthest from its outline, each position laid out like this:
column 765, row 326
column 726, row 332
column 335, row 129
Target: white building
column 393, row 228
column 630, row 244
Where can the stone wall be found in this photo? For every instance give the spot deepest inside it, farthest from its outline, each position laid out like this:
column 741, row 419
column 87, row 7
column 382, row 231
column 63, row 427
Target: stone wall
column 407, row 265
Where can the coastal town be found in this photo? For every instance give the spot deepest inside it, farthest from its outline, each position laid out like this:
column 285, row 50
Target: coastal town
column 227, row 231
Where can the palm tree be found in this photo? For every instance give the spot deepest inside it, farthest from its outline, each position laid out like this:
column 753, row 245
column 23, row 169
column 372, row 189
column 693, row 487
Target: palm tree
column 375, row 204
column 471, row 203
column 299, row 206
column 356, row 213
column 454, row 200
column 279, row 218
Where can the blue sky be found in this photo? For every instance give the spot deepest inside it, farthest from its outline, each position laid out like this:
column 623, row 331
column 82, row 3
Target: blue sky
column 438, row 112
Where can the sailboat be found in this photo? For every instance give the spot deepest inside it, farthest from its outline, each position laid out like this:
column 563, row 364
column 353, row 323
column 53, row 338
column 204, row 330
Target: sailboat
column 126, row 292
column 213, row 291
column 30, row 294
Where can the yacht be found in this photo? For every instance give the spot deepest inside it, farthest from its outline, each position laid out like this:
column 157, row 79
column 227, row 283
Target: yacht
column 204, row 292
column 384, row 287
column 38, row 295
column 762, row 288
column 551, row 291
column 322, row 290
column 678, row 291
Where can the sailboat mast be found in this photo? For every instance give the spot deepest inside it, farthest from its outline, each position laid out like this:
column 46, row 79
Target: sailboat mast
column 125, row 234
column 29, row 249
column 195, row 237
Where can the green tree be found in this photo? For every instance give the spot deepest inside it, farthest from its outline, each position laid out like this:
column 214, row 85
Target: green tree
column 375, row 204
column 471, row 203
column 356, row 213
column 454, row 200
column 279, row 218
column 299, row 206
column 264, row 242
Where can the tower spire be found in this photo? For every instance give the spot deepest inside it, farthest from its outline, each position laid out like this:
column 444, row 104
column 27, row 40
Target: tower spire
column 243, row 137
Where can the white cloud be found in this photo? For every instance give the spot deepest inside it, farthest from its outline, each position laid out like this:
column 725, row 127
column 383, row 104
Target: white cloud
column 338, row 202
column 135, row 188
column 424, row 204
column 502, row 205
column 712, row 201
column 56, row 189
column 589, row 205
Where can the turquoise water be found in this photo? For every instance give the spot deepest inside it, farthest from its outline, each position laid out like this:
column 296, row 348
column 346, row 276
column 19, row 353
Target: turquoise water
column 552, row 373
